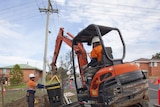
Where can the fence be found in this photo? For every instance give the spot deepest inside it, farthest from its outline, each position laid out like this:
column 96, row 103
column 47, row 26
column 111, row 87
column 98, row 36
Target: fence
column 16, row 96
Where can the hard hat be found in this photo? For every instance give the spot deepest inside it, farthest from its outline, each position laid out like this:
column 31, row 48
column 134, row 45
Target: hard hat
column 95, row 39
column 31, row 75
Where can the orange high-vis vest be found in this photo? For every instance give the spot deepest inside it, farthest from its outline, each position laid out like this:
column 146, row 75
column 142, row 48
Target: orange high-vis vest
column 97, row 53
column 31, row 85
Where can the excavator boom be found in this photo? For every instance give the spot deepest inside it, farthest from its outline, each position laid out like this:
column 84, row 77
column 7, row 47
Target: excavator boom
column 78, row 49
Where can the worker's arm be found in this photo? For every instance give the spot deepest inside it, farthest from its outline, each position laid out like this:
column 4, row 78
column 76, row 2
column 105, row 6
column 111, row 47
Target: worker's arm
column 92, row 62
column 40, row 86
column 94, row 57
column 32, row 84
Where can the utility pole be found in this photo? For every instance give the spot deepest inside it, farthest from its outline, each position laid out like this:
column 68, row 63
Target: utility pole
column 48, row 11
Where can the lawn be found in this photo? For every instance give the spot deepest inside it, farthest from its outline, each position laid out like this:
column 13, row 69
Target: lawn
column 13, row 93
column 16, row 86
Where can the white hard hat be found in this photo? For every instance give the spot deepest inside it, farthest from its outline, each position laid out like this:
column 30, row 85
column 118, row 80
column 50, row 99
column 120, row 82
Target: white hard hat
column 31, row 75
column 95, row 39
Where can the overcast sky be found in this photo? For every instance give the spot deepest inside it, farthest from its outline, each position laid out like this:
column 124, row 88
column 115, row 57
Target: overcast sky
column 22, row 26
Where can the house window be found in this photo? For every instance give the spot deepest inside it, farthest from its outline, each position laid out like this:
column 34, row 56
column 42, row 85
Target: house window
column 138, row 64
column 37, row 73
column 4, row 71
column 153, row 64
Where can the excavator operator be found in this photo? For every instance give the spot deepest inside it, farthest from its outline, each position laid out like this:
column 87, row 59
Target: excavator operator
column 96, row 53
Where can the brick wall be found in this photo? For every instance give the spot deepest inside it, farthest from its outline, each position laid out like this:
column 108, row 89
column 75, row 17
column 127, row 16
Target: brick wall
column 144, row 66
column 152, row 70
column 155, row 70
column 26, row 74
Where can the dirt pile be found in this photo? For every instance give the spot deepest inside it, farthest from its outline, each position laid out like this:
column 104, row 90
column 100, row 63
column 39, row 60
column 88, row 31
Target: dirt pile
column 41, row 101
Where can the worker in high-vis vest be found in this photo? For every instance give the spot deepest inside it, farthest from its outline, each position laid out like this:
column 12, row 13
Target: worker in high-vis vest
column 96, row 53
column 31, row 89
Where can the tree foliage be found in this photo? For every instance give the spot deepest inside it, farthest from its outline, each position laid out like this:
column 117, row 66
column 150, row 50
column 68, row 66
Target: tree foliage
column 156, row 56
column 62, row 72
column 65, row 63
column 17, row 75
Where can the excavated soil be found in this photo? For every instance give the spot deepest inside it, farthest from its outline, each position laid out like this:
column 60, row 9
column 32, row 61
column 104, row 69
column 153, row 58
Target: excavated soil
column 41, row 101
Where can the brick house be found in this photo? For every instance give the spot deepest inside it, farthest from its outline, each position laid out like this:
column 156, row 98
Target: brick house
column 152, row 66
column 26, row 69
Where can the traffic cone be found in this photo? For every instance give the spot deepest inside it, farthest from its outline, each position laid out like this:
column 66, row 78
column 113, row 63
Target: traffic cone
column 157, row 81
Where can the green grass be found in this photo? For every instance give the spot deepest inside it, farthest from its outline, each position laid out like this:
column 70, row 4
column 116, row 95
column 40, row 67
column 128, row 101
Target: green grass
column 16, row 86
column 12, row 95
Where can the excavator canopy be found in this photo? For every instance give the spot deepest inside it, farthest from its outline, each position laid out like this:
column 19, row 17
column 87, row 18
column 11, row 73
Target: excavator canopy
column 89, row 32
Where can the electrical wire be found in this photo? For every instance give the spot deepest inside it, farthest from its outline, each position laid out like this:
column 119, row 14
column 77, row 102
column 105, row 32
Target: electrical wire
column 40, row 12
column 104, row 4
column 114, row 11
column 15, row 6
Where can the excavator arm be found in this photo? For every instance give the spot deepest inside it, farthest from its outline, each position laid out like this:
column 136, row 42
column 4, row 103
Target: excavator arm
column 59, row 40
column 79, row 50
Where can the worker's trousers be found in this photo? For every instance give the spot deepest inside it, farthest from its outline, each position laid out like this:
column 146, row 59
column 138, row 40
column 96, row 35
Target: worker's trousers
column 30, row 100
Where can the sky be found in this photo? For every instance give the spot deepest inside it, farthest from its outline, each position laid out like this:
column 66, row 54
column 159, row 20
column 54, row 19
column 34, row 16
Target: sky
column 23, row 26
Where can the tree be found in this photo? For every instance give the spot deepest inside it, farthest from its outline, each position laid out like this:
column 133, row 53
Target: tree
column 156, row 56
column 17, row 75
column 65, row 65
column 62, row 72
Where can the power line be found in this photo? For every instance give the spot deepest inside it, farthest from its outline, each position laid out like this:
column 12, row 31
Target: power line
column 39, row 7
column 135, row 6
column 112, row 4
column 17, row 11
column 112, row 7
column 115, row 10
column 20, row 12
column 26, row 17
column 15, row 6
column 117, row 13
column 98, row 9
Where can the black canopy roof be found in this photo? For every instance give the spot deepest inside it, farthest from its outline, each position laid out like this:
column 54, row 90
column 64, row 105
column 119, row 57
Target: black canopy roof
column 90, row 31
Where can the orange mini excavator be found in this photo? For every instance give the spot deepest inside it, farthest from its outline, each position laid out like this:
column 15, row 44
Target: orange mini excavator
column 111, row 82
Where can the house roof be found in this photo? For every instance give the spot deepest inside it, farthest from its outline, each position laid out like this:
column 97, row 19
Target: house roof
column 145, row 60
column 22, row 66
column 142, row 59
column 155, row 60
